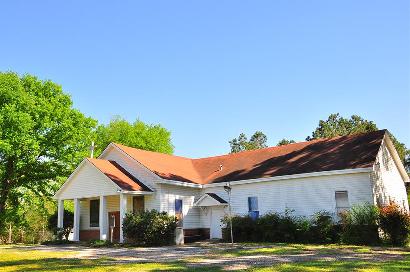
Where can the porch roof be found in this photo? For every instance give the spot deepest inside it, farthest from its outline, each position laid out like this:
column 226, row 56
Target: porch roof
column 210, row 199
column 119, row 175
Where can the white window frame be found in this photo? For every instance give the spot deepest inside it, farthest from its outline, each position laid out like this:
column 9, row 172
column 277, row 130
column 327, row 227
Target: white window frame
column 340, row 209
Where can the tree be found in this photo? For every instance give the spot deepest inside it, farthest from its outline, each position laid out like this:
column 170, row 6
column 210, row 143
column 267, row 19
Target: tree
column 285, row 142
column 257, row 141
column 137, row 134
column 336, row 125
column 42, row 138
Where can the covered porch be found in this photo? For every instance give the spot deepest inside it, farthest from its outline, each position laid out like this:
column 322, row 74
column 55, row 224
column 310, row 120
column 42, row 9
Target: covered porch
column 101, row 217
column 102, row 193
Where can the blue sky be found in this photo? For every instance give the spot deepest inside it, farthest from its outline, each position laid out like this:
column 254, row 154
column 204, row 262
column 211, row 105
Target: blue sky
column 209, row 70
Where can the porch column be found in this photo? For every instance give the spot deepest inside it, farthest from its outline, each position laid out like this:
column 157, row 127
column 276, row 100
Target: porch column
column 103, row 218
column 60, row 213
column 123, row 211
column 76, row 236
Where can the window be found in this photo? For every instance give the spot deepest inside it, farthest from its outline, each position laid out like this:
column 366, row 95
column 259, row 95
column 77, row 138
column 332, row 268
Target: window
column 138, row 204
column 253, row 207
column 94, row 212
column 178, row 211
column 342, row 201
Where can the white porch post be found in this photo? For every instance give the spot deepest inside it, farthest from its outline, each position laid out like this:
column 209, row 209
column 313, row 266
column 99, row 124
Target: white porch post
column 123, row 210
column 103, row 218
column 76, row 236
column 60, row 213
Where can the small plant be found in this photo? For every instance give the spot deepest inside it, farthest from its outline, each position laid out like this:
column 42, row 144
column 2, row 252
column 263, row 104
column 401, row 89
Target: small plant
column 100, row 243
column 395, row 224
column 149, row 228
column 364, row 214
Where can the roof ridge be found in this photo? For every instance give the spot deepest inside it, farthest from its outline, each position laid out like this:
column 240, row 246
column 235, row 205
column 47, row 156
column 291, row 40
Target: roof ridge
column 149, row 151
column 253, row 150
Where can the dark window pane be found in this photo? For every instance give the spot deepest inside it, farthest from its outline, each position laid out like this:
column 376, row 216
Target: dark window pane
column 138, row 204
column 94, row 212
column 253, row 203
column 178, row 206
column 178, row 212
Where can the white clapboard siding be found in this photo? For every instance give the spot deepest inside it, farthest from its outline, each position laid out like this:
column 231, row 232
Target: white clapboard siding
column 303, row 195
column 138, row 171
column 87, row 181
column 191, row 214
column 387, row 181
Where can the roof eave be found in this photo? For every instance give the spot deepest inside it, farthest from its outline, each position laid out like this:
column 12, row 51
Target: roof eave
column 396, row 158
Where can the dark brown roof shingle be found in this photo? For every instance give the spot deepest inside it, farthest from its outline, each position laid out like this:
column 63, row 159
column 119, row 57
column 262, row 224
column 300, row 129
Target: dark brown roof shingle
column 343, row 152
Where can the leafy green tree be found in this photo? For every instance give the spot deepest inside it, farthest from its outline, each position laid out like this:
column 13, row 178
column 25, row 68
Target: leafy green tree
column 42, row 138
column 137, row 134
column 257, row 141
column 336, row 125
column 239, row 144
column 285, row 142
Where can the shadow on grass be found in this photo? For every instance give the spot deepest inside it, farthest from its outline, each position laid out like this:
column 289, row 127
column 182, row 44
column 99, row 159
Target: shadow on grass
column 101, row 264
column 397, row 265
column 57, row 264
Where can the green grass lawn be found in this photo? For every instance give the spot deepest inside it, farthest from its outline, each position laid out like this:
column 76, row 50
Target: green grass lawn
column 19, row 259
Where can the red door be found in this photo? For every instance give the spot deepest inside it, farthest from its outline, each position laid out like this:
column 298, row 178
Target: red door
column 114, row 229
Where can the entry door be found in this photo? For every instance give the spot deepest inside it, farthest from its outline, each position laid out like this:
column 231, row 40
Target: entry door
column 217, row 214
column 114, row 217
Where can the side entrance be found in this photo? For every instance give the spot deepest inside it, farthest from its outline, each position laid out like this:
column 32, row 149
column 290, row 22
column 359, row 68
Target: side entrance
column 114, row 226
column 217, row 214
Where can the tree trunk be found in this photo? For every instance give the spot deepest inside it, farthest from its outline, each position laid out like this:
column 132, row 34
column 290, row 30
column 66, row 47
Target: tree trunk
column 5, row 186
column 10, row 233
column 22, row 236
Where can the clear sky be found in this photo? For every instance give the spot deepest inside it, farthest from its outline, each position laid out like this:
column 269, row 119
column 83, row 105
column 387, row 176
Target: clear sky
column 208, row 70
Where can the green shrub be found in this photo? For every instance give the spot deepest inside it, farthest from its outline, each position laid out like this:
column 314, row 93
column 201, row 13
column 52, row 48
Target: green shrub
column 323, row 230
column 359, row 225
column 282, row 228
column 149, row 228
column 267, row 227
column 68, row 223
column 395, row 224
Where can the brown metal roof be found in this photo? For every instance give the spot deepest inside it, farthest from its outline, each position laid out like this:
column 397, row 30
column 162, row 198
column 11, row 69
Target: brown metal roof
column 343, row 152
column 119, row 175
